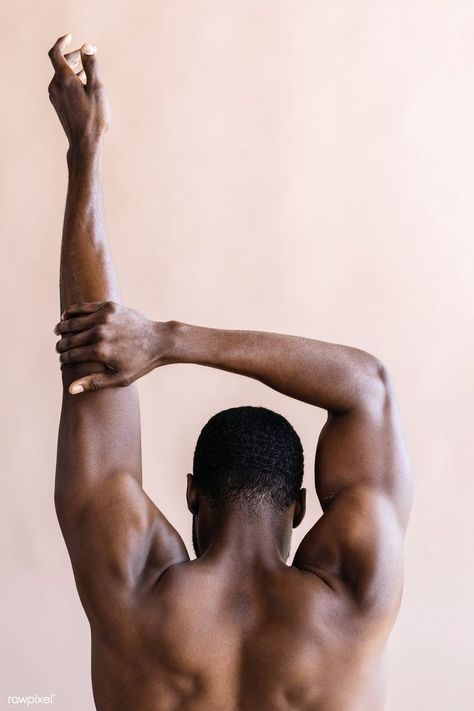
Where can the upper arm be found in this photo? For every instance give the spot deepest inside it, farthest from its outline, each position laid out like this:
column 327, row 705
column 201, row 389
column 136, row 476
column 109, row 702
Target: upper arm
column 117, row 539
column 363, row 481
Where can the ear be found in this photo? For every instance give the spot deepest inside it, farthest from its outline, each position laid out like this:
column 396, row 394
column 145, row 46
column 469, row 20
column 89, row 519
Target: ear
column 192, row 494
column 300, row 508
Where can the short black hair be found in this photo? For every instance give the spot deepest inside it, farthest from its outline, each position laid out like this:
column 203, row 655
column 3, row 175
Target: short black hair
column 249, row 455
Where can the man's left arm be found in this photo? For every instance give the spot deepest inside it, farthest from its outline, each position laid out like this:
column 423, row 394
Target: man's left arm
column 116, row 537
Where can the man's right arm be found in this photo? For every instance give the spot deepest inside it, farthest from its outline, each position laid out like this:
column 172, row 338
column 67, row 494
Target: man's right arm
column 331, row 376
column 362, row 471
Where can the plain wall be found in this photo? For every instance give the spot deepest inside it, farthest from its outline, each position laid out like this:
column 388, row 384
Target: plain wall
column 300, row 167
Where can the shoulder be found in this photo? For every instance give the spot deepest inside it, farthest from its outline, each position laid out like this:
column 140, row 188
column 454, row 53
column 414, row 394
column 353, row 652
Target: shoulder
column 120, row 547
column 356, row 547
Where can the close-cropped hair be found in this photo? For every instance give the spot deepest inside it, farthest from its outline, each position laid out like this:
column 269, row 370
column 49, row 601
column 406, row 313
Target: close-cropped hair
column 249, row 455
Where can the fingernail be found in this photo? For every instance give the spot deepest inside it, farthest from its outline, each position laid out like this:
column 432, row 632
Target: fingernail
column 68, row 39
column 76, row 389
column 63, row 315
column 89, row 49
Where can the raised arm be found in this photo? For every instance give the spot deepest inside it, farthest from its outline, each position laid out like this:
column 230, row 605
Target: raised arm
column 362, row 473
column 112, row 530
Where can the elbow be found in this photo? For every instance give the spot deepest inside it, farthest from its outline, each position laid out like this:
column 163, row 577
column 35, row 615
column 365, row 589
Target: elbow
column 379, row 388
column 59, row 504
column 62, row 506
column 385, row 377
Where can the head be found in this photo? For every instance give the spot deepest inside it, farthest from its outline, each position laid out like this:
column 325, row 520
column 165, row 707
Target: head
column 248, row 462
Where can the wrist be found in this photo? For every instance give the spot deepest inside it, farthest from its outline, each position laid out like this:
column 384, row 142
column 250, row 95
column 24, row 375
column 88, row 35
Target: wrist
column 172, row 342
column 86, row 149
column 164, row 342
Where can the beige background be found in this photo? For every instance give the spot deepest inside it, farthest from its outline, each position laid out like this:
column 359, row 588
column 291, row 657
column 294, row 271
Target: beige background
column 302, row 167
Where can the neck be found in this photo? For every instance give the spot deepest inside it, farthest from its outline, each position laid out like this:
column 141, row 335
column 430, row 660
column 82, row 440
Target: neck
column 238, row 535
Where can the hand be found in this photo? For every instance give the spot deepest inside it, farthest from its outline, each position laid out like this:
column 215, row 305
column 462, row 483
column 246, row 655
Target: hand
column 79, row 98
column 129, row 344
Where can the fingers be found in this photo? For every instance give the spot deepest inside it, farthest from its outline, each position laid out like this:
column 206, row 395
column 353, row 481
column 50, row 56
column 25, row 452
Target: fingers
column 88, row 52
column 84, row 315
column 67, row 64
column 80, row 323
column 83, row 307
column 73, row 58
column 84, row 338
column 56, row 55
column 96, row 381
column 84, row 354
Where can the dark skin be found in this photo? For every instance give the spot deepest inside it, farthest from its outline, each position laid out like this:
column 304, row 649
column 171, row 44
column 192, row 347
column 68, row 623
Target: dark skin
column 236, row 629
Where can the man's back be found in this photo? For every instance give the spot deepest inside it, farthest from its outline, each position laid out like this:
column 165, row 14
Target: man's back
column 205, row 639
column 237, row 628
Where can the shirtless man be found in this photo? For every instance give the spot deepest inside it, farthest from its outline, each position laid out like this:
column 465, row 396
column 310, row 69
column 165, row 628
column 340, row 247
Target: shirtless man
column 237, row 628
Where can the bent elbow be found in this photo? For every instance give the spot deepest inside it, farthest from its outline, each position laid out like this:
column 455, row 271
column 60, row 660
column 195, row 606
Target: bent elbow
column 380, row 389
column 385, row 378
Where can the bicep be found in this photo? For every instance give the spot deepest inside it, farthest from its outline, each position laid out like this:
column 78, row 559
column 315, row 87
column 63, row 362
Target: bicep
column 366, row 447
column 363, row 481
column 99, row 434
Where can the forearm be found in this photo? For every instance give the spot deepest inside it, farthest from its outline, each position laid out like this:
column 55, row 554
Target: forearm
column 331, row 376
column 87, row 272
column 101, row 433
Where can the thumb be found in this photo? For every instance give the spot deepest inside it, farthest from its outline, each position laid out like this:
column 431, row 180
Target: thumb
column 96, row 381
column 88, row 58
